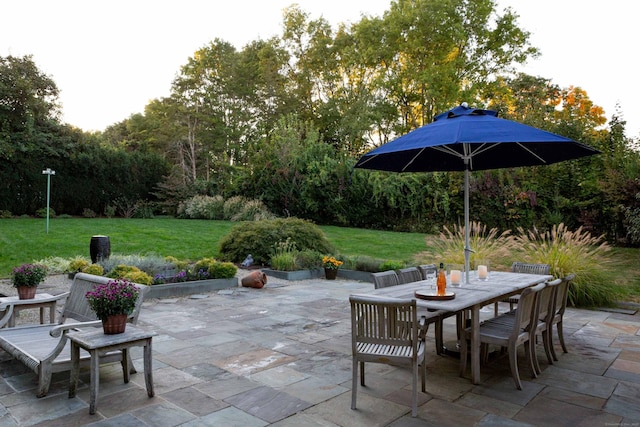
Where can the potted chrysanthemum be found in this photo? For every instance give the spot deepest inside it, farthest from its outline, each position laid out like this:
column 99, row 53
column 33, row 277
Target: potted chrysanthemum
column 26, row 279
column 331, row 266
column 113, row 302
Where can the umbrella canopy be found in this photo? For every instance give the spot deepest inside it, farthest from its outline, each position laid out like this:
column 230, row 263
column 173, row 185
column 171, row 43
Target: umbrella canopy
column 467, row 139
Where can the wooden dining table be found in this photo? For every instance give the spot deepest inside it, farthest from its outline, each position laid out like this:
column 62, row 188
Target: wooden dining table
column 468, row 297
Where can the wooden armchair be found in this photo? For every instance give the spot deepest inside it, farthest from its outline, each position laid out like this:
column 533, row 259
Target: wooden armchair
column 386, row 331
column 45, row 349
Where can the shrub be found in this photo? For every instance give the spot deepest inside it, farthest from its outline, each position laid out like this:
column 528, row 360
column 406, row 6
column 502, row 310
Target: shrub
column 202, row 207
column 78, row 263
column 252, row 210
column 4, row 214
column 392, row 265
column 55, row 265
column 121, row 270
column 575, row 252
column 368, row 264
column 88, row 213
column 42, row 213
column 151, row 264
column 259, row 238
column 308, row 259
column 284, row 256
column 95, row 269
column 222, row 270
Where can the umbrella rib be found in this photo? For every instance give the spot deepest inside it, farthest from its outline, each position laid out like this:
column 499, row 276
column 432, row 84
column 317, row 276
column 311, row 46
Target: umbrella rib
column 412, row 159
column 532, row 153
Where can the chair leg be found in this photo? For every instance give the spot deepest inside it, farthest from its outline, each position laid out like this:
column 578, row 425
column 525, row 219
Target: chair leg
column 547, row 345
column 362, row 374
column 561, row 337
column 439, row 337
column 354, row 383
column 495, row 309
column 414, row 389
column 513, row 364
column 423, row 374
column 553, row 350
column 532, row 358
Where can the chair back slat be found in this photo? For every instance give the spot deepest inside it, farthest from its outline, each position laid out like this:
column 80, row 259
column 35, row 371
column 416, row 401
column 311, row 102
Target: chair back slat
column 545, row 300
column 409, row 274
column 562, row 295
column 384, row 321
column 385, row 279
column 521, row 267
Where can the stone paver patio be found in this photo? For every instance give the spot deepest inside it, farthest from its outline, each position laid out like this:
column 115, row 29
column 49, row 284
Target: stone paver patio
column 281, row 356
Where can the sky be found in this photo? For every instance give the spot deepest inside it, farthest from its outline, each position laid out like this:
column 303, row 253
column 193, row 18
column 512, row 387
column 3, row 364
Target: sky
column 110, row 58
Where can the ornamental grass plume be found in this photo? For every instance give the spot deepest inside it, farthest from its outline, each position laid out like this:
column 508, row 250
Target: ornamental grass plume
column 486, row 244
column 114, row 297
column 575, row 252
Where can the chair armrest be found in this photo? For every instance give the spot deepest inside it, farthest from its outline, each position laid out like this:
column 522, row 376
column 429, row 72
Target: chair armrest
column 8, row 312
column 56, row 331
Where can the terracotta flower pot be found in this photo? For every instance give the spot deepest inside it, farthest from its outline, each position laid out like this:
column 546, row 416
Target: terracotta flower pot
column 256, row 279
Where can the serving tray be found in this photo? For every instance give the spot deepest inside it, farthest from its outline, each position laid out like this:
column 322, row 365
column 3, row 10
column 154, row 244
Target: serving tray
column 433, row 295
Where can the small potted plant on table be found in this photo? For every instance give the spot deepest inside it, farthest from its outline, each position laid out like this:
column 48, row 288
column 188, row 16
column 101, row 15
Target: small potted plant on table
column 331, row 266
column 26, row 279
column 113, row 302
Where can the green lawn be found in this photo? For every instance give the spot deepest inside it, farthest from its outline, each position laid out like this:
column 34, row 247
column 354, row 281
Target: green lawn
column 25, row 239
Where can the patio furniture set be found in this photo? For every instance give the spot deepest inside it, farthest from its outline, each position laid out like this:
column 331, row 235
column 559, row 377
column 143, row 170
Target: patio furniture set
column 389, row 323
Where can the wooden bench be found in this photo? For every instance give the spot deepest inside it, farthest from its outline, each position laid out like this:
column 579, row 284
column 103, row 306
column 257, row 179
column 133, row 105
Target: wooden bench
column 45, row 349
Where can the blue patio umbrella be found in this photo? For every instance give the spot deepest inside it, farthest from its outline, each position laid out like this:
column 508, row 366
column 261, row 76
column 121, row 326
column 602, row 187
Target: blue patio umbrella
column 468, row 139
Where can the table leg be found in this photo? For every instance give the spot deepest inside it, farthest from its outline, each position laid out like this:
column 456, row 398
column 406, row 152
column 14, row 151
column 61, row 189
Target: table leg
column 126, row 368
column 148, row 374
column 52, row 312
column 75, row 369
column 475, row 344
column 95, row 379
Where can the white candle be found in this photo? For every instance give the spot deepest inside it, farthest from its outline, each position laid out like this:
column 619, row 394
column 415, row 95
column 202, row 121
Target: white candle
column 455, row 277
column 482, row 272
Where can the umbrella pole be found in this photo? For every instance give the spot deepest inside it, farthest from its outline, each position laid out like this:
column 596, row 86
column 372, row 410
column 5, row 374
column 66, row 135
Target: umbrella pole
column 467, row 249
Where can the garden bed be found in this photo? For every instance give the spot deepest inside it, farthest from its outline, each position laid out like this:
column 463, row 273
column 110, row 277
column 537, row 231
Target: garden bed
column 318, row 273
column 188, row 288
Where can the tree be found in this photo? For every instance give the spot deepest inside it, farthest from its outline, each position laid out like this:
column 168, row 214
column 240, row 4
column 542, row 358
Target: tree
column 28, row 102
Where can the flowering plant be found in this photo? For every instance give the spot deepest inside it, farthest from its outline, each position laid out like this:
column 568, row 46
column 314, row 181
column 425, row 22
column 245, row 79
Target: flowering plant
column 331, row 263
column 29, row 275
column 115, row 297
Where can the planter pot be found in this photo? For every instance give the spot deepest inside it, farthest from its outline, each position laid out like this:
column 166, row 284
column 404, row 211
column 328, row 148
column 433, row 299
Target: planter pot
column 114, row 324
column 27, row 292
column 256, row 279
column 330, row 274
column 190, row 288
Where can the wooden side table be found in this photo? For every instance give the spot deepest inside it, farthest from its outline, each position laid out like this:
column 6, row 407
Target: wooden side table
column 96, row 342
column 40, row 301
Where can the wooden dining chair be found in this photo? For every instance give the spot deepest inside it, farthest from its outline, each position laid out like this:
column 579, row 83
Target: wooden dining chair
column 428, row 271
column 510, row 330
column 388, row 278
column 409, row 274
column 544, row 319
column 559, row 307
column 385, row 279
column 521, row 267
column 386, row 331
